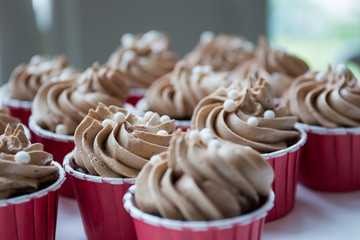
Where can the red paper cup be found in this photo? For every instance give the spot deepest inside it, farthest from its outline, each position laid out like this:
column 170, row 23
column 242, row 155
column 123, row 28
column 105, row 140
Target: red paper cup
column 148, row 227
column 31, row 216
column 17, row 108
column 285, row 164
column 56, row 144
column 135, row 95
column 331, row 159
column 100, row 204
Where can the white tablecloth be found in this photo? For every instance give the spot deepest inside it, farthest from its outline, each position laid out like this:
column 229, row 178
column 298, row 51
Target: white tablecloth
column 317, row 215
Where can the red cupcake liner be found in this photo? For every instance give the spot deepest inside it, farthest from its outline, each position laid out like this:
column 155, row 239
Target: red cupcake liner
column 331, row 159
column 135, row 95
column 286, row 165
column 58, row 145
column 32, row 216
column 100, row 204
column 148, row 227
column 17, row 108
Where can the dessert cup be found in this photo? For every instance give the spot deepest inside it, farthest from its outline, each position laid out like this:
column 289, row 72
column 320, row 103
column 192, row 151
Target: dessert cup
column 247, row 227
column 31, row 216
column 56, row 144
column 17, row 108
column 100, row 203
column 286, row 165
column 330, row 159
column 135, row 94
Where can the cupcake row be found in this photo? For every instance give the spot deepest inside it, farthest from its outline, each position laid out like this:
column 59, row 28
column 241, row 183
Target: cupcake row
column 204, row 182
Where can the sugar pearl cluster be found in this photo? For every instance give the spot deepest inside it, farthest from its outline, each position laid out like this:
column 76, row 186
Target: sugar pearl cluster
column 204, row 136
column 147, row 40
column 119, row 118
column 198, row 71
column 163, row 119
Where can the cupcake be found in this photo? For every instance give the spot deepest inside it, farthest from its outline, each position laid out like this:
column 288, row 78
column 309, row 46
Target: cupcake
column 111, row 147
column 248, row 116
column 26, row 80
column 144, row 58
column 327, row 105
column 28, row 192
column 6, row 119
column 201, row 187
column 176, row 94
column 59, row 107
column 275, row 65
column 221, row 52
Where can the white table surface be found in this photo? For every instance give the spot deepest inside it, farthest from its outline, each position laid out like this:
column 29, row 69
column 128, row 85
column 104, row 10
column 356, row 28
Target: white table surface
column 317, row 215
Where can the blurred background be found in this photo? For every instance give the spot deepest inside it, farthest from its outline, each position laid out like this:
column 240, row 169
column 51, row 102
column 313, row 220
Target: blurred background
column 322, row 32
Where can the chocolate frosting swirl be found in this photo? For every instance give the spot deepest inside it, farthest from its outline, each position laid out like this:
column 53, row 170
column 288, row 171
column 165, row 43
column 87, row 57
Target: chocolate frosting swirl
column 222, row 52
column 26, row 79
column 66, row 103
column 24, row 167
column 6, row 119
column 247, row 117
column 144, row 57
column 112, row 142
column 177, row 94
column 275, row 65
column 330, row 99
column 194, row 181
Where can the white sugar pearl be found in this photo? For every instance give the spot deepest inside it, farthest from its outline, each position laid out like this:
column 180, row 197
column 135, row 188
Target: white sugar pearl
column 207, row 36
column 320, row 77
column 36, row 59
column 341, row 68
column 151, row 35
column 22, row 157
column 194, row 135
column 148, row 115
column 213, row 144
column 141, row 44
column 229, row 105
column 195, row 77
column 162, row 133
column 196, row 70
column 253, row 121
column 126, row 58
column 206, row 135
column 154, row 159
column 207, row 69
column 119, row 117
column 127, row 40
column 233, row 94
column 158, row 46
column 220, row 91
column 61, row 129
column 269, row 114
column 164, row 118
column 106, row 122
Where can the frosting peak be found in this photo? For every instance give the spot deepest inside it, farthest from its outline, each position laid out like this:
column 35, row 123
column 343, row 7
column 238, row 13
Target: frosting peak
column 330, row 99
column 112, row 142
column 61, row 106
column 24, row 167
column 250, row 119
column 26, row 79
column 275, row 65
column 144, row 57
column 177, row 93
column 195, row 181
column 221, row 52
